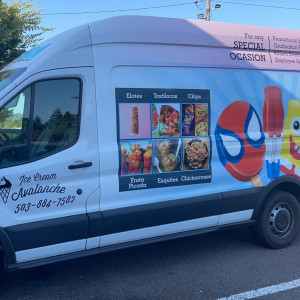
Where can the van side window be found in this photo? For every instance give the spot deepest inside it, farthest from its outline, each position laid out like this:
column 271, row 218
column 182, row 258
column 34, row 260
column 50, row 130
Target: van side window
column 39, row 121
column 55, row 116
column 14, row 122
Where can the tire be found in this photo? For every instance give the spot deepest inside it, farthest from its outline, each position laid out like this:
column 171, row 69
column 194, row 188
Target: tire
column 278, row 223
column 2, row 264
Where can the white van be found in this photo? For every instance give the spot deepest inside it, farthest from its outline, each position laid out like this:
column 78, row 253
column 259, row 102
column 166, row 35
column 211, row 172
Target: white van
column 139, row 129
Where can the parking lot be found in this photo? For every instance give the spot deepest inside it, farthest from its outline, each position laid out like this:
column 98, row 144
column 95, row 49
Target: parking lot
column 210, row 266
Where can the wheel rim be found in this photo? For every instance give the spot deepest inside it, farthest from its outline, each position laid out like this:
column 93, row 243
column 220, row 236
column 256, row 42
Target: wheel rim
column 281, row 219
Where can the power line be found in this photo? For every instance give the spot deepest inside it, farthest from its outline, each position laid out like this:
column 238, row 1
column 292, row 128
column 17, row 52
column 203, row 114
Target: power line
column 273, row 1
column 166, row 6
column 260, row 5
column 117, row 10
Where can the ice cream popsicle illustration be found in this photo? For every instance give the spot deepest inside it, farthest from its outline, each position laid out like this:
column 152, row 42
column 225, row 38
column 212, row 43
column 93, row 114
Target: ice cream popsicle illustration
column 241, row 142
column 273, row 117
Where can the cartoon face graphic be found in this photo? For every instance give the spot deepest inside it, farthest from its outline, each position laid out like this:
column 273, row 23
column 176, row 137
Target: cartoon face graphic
column 290, row 153
column 240, row 141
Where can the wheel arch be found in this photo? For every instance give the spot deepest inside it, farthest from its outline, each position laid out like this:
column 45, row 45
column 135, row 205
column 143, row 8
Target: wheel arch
column 286, row 183
column 8, row 248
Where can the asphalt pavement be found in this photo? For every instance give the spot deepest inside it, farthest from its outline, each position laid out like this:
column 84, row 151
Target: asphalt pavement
column 210, row 266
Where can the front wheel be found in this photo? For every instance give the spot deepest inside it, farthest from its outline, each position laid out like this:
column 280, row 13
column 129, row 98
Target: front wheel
column 278, row 223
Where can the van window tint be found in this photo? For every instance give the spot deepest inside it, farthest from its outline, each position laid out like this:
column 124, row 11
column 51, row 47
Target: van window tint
column 8, row 76
column 55, row 116
column 14, row 120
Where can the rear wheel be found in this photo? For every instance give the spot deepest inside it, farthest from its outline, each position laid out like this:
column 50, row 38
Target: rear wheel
column 278, row 223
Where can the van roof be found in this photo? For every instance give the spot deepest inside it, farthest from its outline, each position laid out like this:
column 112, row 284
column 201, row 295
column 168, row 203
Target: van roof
column 251, row 42
column 160, row 30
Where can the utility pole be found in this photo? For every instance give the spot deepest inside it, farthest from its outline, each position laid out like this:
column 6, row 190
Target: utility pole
column 208, row 10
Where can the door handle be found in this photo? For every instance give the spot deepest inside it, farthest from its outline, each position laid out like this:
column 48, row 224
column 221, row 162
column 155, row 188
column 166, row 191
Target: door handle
column 82, row 165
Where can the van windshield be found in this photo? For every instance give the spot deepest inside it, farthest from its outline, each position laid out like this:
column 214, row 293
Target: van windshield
column 8, row 76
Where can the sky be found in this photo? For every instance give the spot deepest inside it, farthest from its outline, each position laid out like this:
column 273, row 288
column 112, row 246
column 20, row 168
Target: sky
column 250, row 12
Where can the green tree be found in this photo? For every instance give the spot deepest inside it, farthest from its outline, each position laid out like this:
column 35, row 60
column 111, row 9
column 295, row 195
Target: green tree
column 38, row 127
column 5, row 114
column 20, row 29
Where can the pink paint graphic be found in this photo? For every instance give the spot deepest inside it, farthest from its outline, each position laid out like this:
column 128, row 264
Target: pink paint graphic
column 134, row 120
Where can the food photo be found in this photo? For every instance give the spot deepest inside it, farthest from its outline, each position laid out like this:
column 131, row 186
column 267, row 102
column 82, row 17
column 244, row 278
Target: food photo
column 165, row 120
column 196, row 153
column 134, row 120
column 167, row 155
column 136, row 157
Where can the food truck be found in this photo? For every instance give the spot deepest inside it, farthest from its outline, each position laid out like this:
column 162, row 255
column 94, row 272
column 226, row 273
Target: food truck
column 139, row 129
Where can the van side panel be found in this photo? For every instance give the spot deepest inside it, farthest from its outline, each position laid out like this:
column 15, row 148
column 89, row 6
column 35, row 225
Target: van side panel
column 226, row 86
